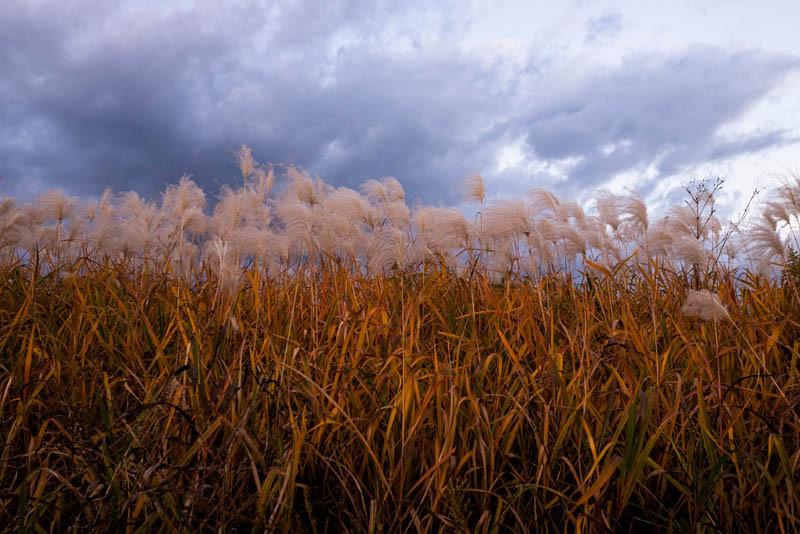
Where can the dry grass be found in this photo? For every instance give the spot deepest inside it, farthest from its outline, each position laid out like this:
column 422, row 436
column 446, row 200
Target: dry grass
column 311, row 358
column 328, row 401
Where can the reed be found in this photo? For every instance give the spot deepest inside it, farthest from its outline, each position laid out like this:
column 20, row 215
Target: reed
column 538, row 368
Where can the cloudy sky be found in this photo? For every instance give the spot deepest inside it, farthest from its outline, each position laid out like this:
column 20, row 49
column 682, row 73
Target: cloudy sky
column 590, row 94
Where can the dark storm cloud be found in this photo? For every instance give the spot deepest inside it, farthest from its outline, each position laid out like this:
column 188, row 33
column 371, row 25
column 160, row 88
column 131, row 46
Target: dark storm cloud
column 94, row 103
column 136, row 106
column 100, row 97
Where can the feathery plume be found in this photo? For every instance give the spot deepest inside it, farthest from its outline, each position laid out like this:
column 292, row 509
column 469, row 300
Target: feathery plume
column 444, row 229
column 704, row 305
column 55, row 205
column 244, row 159
column 394, row 190
column 775, row 212
column 352, row 205
column 185, row 196
column 375, row 191
column 659, row 239
column 690, row 250
column 542, row 201
column 247, row 241
column 222, row 262
column 9, row 215
column 385, row 190
column 143, row 222
column 263, row 180
column 296, row 218
column 473, row 189
column 387, row 249
column 7, row 206
column 608, row 208
column 506, row 218
column 303, row 187
column 765, row 241
column 396, row 213
column 572, row 240
column 634, row 210
column 789, row 194
column 569, row 209
column 683, row 220
column 29, row 236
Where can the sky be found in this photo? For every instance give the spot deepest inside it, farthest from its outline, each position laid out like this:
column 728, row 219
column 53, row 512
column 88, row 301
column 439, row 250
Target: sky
column 570, row 96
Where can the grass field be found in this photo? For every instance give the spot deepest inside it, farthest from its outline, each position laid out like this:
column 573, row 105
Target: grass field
column 160, row 389
column 419, row 402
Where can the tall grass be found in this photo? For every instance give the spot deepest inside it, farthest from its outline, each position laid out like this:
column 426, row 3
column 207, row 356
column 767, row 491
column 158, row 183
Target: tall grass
column 424, row 402
column 179, row 377
column 303, row 223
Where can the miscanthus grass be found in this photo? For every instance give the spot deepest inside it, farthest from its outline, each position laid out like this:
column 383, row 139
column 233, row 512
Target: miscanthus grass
column 426, row 401
column 309, row 358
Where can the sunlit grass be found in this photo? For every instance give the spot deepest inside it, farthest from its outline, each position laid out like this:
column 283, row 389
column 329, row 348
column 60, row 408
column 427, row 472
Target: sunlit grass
column 327, row 401
column 313, row 358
